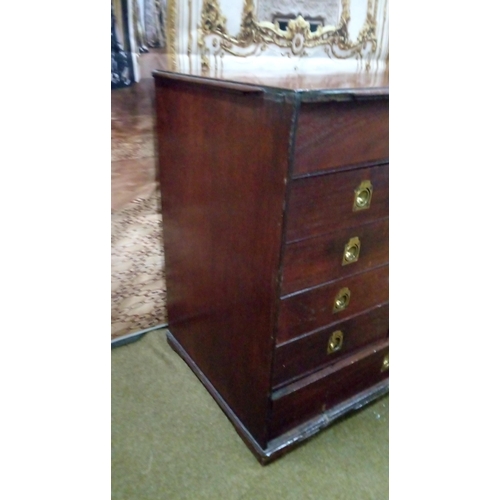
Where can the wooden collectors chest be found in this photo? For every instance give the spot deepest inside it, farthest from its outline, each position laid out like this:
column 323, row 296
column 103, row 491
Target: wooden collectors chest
column 276, row 218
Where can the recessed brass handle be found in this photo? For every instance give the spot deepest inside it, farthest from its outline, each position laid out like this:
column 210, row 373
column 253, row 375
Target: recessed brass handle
column 385, row 363
column 351, row 251
column 341, row 300
column 362, row 196
column 335, row 342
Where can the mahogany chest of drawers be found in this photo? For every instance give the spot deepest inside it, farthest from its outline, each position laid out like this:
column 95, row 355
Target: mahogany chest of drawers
column 276, row 217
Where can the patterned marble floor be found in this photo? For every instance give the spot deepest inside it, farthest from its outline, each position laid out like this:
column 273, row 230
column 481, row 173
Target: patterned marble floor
column 133, row 163
column 137, row 281
column 138, row 292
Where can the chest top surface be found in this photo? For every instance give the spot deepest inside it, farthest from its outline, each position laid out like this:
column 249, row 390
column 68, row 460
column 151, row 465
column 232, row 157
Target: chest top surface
column 308, row 87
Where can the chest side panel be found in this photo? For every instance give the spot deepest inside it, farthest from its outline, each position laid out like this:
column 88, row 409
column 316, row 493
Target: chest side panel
column 223, row 159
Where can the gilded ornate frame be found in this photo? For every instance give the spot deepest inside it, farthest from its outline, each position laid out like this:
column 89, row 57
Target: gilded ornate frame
column 255, row 35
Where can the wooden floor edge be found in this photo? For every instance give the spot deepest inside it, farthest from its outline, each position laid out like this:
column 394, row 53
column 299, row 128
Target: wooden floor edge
column 281, row 445
column 134, row 336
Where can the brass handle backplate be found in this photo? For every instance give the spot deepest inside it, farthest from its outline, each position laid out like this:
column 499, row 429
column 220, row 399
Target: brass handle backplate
column 341, row 300
column 351, row 251
column 362, row 196
column 385, row 363
column 335, row 342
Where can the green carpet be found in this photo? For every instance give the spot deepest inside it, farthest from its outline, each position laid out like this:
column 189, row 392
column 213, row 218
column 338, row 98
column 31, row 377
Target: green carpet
column 170, row 440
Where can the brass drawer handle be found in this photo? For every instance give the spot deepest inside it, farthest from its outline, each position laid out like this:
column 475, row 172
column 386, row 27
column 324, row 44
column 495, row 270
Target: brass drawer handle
column 351, row 251
column 362, row 196
column 385, row 363
column 335, row 342
column 341, row 300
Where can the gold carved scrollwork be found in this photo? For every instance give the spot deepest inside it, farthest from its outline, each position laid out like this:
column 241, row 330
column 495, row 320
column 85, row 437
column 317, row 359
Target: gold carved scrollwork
column 254, row 35
column 172, row 31
column 212, row 20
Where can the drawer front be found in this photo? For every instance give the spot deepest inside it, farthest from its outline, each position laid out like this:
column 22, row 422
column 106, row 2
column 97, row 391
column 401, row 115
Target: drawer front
column 335, row 134
column 317, row 260
column 322, row 306
column 311, row 352
column 302, row 400
column 319, row 205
